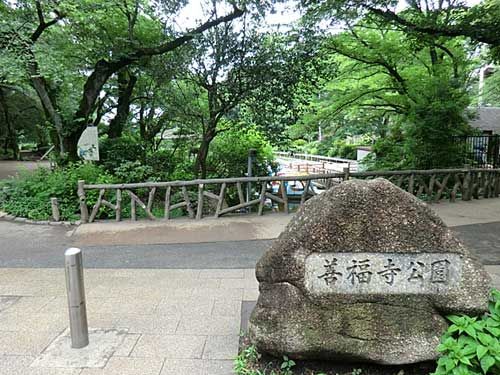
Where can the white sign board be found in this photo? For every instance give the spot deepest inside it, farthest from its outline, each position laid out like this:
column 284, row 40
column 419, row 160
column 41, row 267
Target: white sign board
column 88, row 144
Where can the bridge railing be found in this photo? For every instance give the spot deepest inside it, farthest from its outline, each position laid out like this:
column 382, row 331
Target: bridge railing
column 322, row 162
column 312, row 157
column 216, row 197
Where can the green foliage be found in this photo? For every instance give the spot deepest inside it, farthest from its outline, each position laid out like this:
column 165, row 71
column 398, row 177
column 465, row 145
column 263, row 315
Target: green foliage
column 434, row 119
column 134, row 171
column 245, row 359
column 29, row 195
column 471, row 345
column 491, row 95
column 115, row 152
column 389, row 152
column 246, row 364
column 398, row 89
column 229, row 153
column 287, row 365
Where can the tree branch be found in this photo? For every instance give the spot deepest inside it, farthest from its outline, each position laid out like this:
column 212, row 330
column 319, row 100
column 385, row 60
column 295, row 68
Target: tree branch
column 104, row 69
column 479, row 34
column 42, row 25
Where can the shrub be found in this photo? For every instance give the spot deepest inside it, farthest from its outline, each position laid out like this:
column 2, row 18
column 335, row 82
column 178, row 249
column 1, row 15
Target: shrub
column 342, row 149
column 471, row 345
column 29, row 195
column 229, row 153
column 134, row 171
column 164, row 163
column 114, row 152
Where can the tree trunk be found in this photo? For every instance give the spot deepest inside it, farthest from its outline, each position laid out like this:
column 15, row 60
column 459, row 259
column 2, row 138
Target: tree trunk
column 40, row 86
column 91, row 90
column 11, row 138
column 142, row 121
column 126, row 83
column 201, row 157
column 70, row 142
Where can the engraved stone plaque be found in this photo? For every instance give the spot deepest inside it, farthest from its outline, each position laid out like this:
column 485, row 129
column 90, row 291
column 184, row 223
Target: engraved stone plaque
column 382, row 273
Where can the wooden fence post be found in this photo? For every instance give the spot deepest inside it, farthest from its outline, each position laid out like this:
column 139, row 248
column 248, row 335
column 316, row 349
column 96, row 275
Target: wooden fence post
column 411, row 184
column 347, row 173
column 55, row 209
column 199, row 209
column 496, row 185
column 167, row 202
column 466, row 189
column 118, row 205
column 84, row 211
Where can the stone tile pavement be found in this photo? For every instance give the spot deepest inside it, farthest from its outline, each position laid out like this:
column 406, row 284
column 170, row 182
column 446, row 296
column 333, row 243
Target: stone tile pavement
column 160, row 321
column 169, row 321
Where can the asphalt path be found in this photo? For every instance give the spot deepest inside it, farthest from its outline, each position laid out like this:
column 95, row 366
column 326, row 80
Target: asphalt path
column 10, row 168
column 24, row 245
column 40, row 246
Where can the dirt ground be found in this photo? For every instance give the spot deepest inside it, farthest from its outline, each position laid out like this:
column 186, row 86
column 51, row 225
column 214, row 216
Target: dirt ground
column 270, row 364
column 9, row 168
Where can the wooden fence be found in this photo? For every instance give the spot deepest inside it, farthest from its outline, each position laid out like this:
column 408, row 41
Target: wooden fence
column 231, row 195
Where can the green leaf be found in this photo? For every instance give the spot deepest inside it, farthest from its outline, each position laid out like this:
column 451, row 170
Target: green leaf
column 484, row 338
column 458, row 320
column 469, row 349
column 470, row 331
column 449, row 364
column 453, row 328
column 486, row 362
column 494, row 331
column 465, row 361
column 481, row 351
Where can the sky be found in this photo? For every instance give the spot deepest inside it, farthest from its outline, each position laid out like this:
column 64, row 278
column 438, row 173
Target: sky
column 192, row 14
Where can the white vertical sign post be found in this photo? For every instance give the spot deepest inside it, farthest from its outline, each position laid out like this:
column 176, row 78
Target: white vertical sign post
column 88, row 144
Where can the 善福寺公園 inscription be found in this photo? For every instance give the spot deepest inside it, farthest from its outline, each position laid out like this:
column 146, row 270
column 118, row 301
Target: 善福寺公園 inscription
column 386, row 273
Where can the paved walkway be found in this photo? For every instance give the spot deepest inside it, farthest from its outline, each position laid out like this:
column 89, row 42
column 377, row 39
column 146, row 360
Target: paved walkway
column 174, row 321
column 154, row 308
column 10, row 168
column 181, row 321
column 247, row 227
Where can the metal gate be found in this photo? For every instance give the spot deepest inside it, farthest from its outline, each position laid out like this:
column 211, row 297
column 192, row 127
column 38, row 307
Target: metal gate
column 481, row 151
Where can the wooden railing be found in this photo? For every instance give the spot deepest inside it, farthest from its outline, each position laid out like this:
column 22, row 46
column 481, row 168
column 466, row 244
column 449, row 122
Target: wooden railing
column 311, row 157
column 230, row 195
column 317, row 163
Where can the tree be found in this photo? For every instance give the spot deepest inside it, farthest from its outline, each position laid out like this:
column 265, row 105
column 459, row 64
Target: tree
column 294, row 78
column 107, row 65
column 229, row 63
column 126, row 83
column 437, row 18
column 409, row 92
column 20, row 119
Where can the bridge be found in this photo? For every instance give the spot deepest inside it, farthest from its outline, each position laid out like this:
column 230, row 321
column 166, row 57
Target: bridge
column 293, row 163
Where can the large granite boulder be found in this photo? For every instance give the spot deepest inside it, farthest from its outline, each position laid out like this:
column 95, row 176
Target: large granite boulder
column 364, row 272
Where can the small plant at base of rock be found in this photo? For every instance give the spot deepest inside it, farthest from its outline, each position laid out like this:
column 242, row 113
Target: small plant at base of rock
column 287, row 365
column 246, row 359
column 471, row 345
column 356, row 371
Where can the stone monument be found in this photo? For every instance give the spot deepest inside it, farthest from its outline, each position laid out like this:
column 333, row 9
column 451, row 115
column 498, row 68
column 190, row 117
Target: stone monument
column 364, row 272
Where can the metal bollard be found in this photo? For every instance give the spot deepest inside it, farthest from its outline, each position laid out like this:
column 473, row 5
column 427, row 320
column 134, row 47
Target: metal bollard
column 76, row 298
